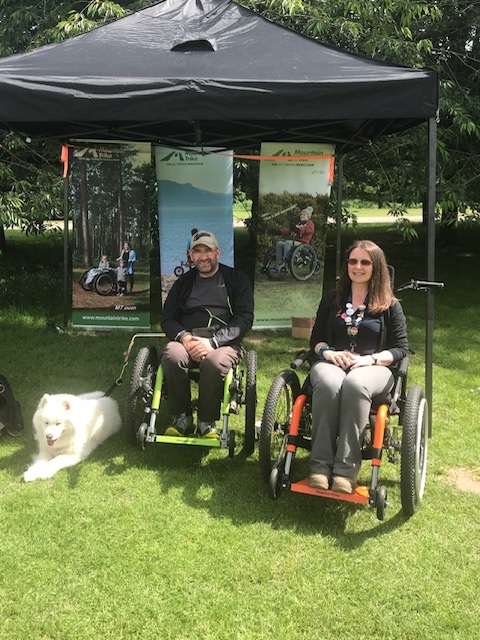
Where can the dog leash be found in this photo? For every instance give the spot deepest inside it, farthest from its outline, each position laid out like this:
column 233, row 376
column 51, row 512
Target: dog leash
column 126, row 354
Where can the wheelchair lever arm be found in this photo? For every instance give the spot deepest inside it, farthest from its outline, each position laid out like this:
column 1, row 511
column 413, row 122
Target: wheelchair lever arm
column 420, row 285
column 299, row 360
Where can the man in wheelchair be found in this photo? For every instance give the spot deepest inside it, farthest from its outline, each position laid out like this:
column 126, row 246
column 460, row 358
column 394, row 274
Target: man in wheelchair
column 359, row 335
column 206, row 314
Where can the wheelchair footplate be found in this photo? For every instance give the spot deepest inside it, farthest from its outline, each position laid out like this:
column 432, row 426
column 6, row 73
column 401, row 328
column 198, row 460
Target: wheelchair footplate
column 359, row 496
column 191, row 440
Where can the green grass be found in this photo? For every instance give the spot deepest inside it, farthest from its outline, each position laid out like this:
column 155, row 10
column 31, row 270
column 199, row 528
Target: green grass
column 176, row 543
column 241, row 210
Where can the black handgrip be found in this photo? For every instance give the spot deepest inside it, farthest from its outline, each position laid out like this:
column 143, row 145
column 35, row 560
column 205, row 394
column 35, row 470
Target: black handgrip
column 420, row 285
column 301, row 358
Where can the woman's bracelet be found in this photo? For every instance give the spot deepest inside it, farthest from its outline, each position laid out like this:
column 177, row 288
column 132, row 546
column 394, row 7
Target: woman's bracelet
column 323, row 348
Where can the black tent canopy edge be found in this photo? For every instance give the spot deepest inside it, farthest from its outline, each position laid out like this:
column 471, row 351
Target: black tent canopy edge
column 219, row 134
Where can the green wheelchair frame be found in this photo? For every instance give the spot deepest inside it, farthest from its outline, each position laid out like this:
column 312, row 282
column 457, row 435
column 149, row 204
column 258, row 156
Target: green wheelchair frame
column 146, row 390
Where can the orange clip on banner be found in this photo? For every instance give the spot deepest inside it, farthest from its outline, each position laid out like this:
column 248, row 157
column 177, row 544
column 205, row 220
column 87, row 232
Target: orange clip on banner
column 64, row 159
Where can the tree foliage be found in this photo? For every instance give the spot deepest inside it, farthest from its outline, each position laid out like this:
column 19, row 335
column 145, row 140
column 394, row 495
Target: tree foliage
column 30, row 171
column 441, row 34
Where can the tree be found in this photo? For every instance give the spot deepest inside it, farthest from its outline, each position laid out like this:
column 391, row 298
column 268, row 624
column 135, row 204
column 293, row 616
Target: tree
column 441, row 34
column 30, row 171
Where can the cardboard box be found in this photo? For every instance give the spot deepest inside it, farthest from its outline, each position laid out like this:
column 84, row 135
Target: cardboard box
column 302, row 327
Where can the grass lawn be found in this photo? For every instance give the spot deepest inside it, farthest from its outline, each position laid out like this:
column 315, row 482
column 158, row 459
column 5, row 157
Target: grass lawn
column 176, row 543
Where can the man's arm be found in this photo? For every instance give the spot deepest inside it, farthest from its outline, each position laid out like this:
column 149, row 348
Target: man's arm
column 241, row 300
column 171, row 313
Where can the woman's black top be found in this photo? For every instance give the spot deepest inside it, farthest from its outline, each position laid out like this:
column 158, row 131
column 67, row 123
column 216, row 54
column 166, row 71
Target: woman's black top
column 376, row 332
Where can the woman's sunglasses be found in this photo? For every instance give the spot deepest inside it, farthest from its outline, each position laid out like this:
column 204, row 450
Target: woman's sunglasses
column 365, row 263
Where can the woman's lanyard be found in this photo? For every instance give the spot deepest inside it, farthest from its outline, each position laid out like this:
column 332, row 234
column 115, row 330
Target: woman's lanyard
column 353, row 320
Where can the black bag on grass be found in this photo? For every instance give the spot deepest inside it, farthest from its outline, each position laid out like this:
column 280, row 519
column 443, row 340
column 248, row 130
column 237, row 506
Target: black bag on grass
column 11, row 420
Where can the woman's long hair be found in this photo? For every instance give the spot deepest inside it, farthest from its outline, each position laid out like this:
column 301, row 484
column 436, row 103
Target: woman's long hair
column 380, row 291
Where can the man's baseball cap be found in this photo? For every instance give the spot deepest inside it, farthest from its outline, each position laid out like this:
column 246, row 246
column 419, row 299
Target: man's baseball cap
column 204, row 237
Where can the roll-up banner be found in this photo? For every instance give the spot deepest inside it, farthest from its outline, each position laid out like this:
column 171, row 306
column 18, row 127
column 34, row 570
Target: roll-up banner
column 110, row 204
column 195, row 192
column 294, row 187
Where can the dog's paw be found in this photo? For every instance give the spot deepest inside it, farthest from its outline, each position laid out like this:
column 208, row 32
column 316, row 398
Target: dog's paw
column 38, row 471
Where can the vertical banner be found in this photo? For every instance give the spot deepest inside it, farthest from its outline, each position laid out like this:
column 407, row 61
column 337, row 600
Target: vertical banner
column 294, row 188
column 110, row 199
column 195, row 191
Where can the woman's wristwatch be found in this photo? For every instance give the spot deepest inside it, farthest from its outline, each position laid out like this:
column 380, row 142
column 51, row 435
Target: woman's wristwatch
column 375, row 357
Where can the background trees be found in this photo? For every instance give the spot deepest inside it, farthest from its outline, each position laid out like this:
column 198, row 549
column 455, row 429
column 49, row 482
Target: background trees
column 442, row 34
column 30, row 171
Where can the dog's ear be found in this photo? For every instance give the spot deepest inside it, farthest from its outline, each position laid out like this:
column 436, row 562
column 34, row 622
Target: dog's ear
column 43, row 401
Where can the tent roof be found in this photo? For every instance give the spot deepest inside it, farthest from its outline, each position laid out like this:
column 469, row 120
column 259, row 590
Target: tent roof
column 213, row 73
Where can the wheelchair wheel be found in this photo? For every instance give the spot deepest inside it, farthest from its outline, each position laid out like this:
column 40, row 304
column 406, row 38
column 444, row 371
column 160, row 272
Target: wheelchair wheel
column 86, row 286
column 250, row 402
column 276, row 421
column 104, row 284
column 303, row 262
column 413, row 467
column 381, row 502
column 272, row 270
column 141, row 433
column 274, row 484
column 140, row 391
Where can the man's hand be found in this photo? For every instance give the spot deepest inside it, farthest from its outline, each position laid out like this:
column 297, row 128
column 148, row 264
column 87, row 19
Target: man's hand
column 197, row 348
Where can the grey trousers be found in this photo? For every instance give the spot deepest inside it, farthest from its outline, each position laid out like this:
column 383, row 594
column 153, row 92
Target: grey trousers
column 213, row 369
column 340, row 411
column 281, row 250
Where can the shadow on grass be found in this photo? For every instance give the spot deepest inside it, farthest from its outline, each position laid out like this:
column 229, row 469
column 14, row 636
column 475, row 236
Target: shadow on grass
column 236, row 492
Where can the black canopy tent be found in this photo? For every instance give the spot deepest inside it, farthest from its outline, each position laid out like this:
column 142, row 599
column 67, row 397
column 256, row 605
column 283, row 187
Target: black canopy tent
column 213, row 73
column 209, row 72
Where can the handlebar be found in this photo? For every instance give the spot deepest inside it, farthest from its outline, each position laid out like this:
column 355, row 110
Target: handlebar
column 420, row 285
column 299, row 360
column 270, row 216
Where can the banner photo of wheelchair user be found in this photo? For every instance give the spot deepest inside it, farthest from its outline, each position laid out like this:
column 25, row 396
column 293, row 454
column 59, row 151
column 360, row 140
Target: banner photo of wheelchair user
column 110, row 190
column 294, row 189
column 195, row 192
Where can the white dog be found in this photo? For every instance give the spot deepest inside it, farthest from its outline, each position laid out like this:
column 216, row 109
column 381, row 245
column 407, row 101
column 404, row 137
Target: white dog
column 68, row 428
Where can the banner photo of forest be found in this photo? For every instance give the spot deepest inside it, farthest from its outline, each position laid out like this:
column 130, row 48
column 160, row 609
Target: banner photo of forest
column 294, row 178
column 110, row 204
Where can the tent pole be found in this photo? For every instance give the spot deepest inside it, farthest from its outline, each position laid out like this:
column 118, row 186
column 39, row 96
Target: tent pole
column 339, row 215
column 431, row 201
column 66, row 299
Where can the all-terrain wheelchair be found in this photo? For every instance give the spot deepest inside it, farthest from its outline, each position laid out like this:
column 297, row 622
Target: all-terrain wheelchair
column 301, row 261
column 146, row 391
column 104, row 282
column 398, row 426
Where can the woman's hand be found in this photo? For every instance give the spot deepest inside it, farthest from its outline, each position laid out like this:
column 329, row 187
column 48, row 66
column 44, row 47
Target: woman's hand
column 363, row 361
column 343, row 359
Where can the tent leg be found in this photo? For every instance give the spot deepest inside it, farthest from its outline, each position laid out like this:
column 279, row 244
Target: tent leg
column 431, row 201
column 339, row 215
column 66, row 297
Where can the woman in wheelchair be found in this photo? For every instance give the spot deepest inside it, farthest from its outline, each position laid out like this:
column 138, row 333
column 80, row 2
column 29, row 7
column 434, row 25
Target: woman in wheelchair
column 359, row 336
column 303, row 232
